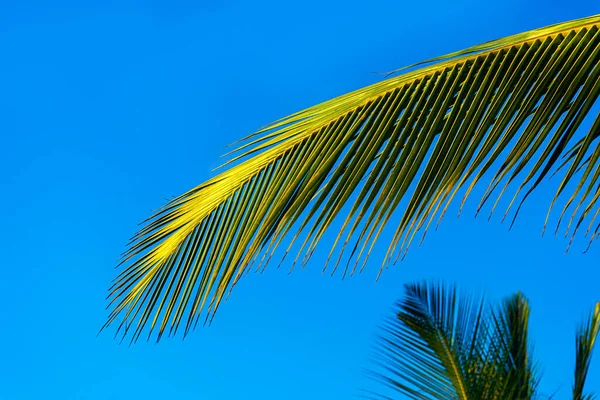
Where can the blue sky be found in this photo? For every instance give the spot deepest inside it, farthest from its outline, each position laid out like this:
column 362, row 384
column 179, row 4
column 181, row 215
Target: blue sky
column 107, row 109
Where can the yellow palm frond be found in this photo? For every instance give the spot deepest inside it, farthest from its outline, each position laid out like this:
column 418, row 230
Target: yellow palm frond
column 415, row 138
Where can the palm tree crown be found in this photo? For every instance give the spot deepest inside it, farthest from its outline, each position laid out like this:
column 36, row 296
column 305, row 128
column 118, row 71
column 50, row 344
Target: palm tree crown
column 442, row 345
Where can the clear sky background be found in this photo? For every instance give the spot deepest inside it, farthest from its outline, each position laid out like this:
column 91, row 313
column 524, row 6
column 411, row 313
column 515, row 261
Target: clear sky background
column 109, row 108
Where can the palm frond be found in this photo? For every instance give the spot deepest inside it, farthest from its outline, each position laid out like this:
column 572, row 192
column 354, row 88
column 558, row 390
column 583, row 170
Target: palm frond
column 585, row 340
column 519, row 379
column 409, row 142
column 442, row 345
column 429, row 348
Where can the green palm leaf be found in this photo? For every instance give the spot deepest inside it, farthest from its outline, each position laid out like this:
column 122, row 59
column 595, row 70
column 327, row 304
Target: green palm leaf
column 511, row 343
column 409, row 142
column 441, row 345
column 585, row 340
column 423, row 347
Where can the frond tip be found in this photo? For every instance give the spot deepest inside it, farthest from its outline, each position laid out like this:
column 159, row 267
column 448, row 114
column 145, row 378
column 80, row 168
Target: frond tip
column 408, row 142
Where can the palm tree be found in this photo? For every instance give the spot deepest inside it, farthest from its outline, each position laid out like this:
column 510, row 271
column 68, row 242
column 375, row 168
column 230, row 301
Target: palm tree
column 408, row 144
column 442, row 344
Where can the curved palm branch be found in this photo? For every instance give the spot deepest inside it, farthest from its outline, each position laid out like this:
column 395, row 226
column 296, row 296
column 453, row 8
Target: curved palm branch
column 440, row 345
column 408, row 142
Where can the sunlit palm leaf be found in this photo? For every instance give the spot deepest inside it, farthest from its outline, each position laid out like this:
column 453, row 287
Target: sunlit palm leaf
column 439, row 345
column 585, row 340
column 418, row 137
